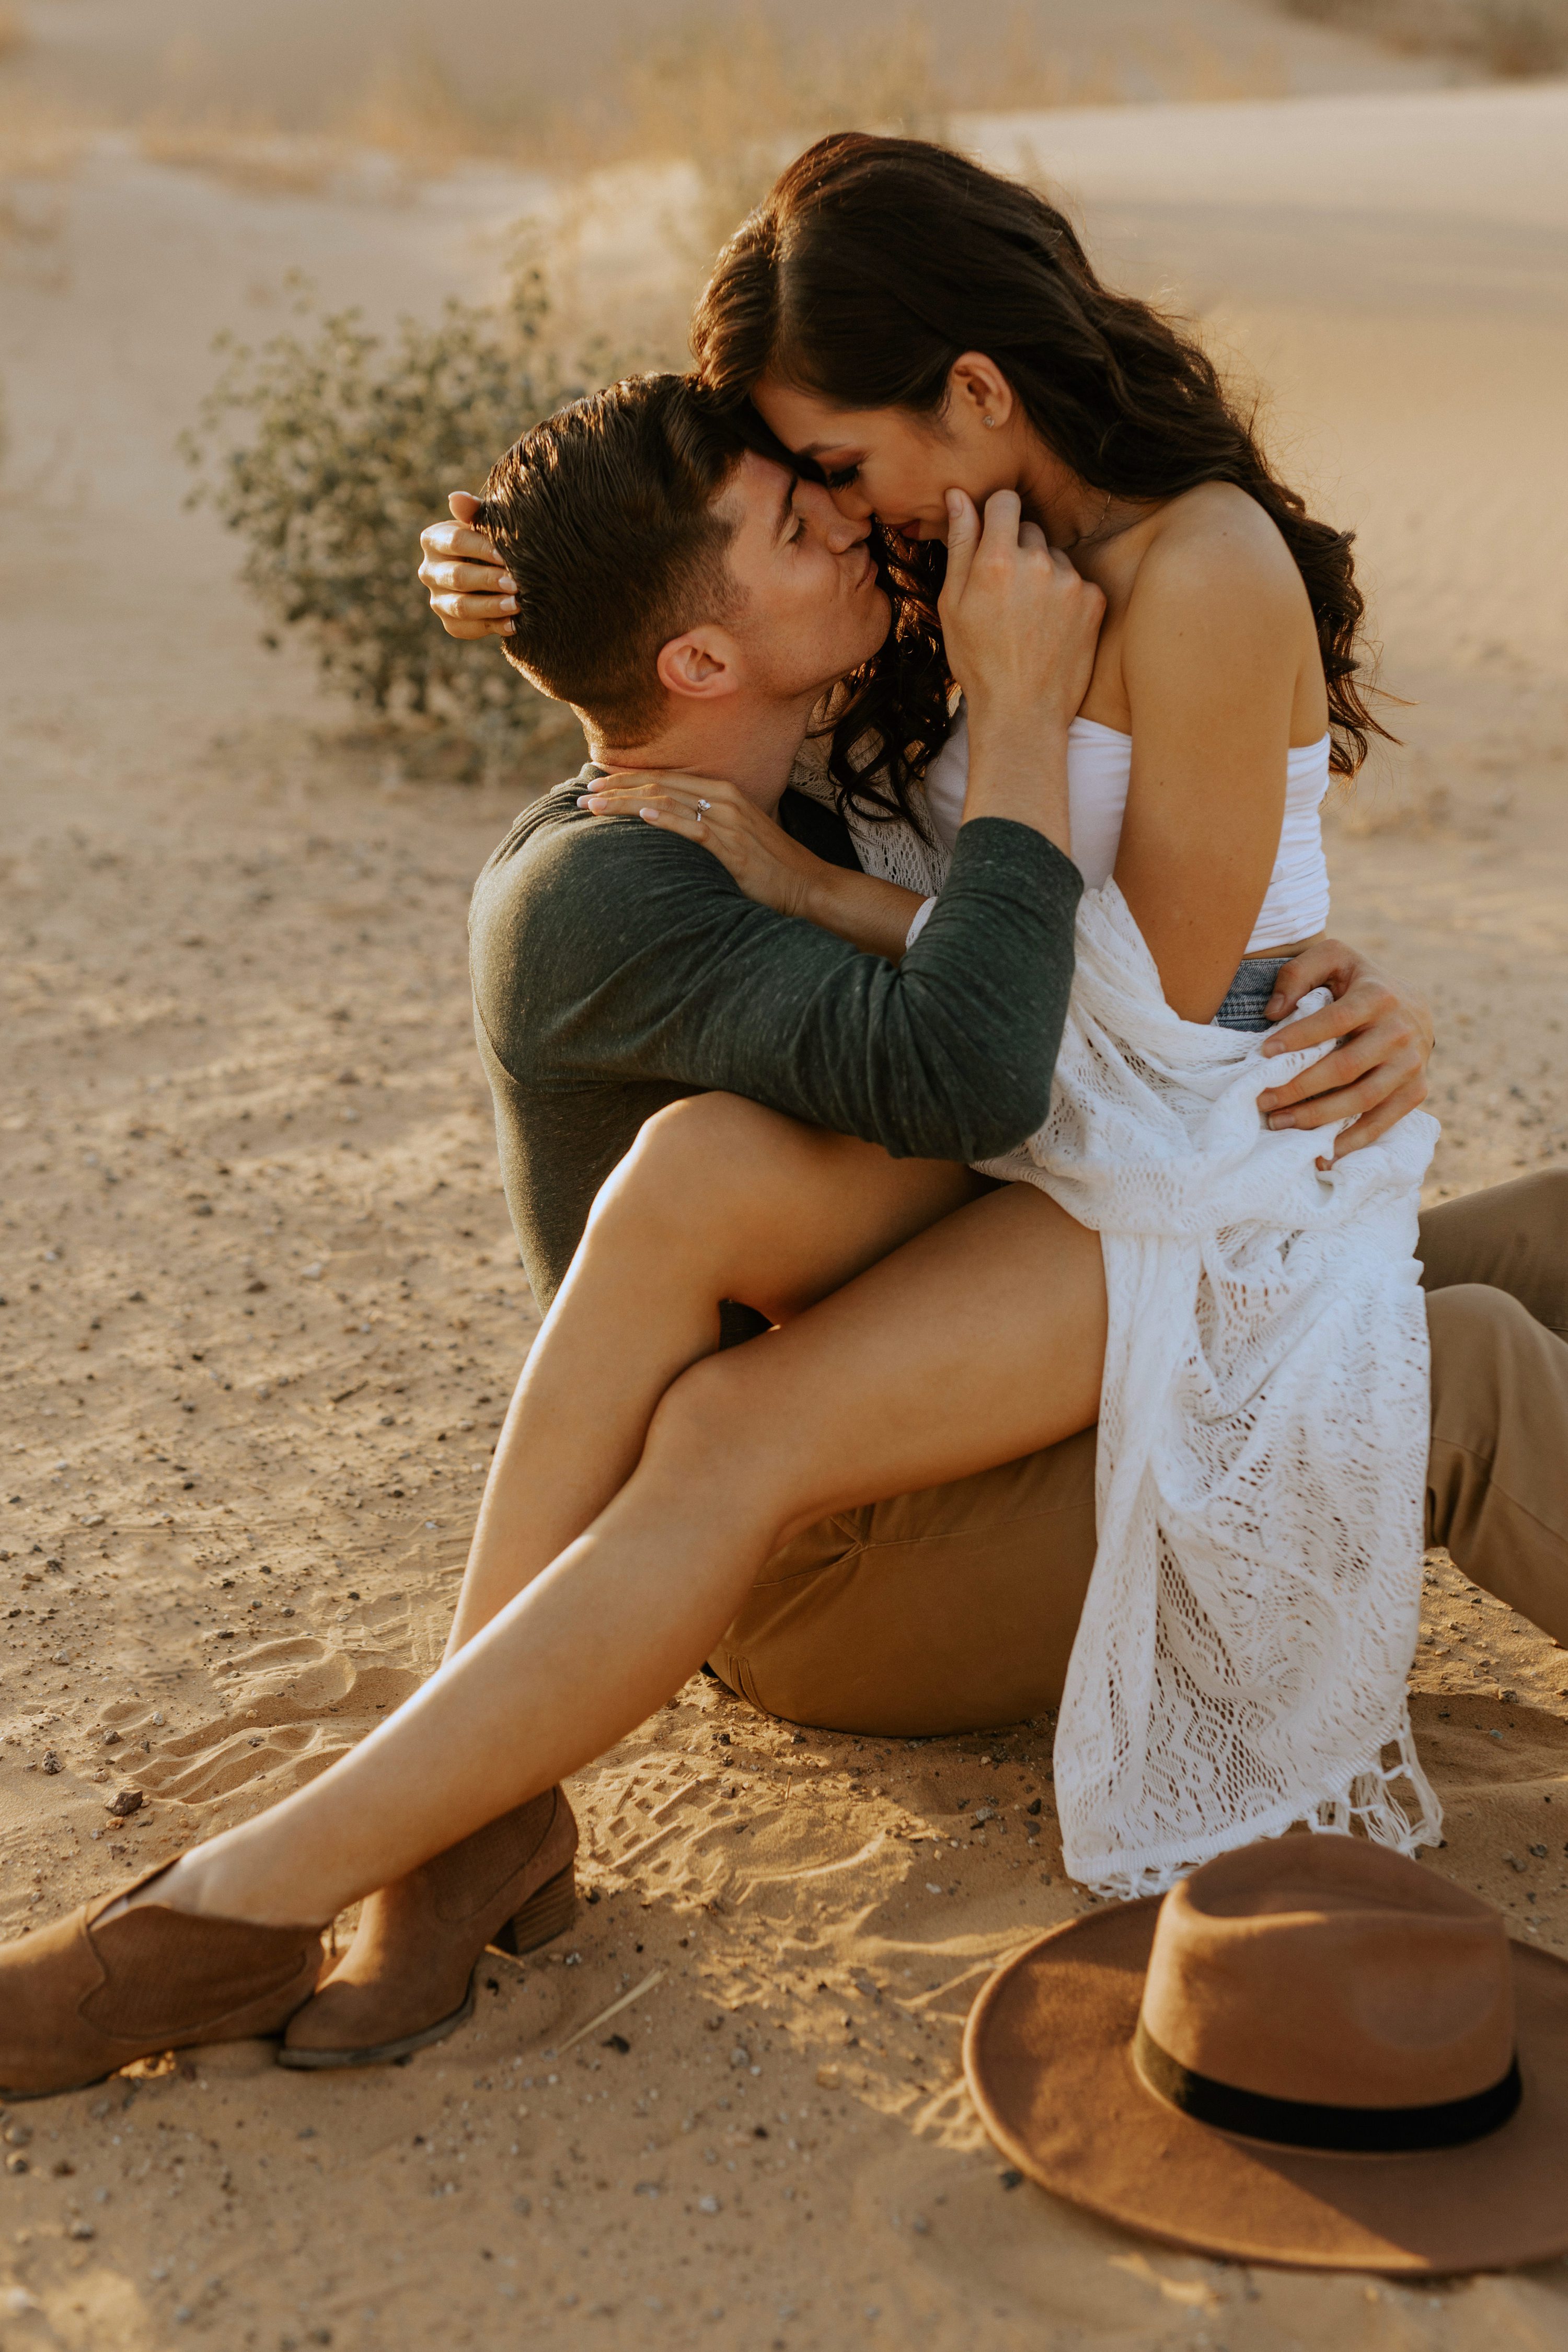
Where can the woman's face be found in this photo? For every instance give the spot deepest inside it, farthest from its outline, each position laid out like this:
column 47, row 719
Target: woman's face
column 888, row 463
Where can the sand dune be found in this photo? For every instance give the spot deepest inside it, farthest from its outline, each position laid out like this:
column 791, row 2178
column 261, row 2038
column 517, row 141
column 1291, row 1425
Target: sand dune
column 263, row 1311
column 1470, row 156
column 302, row 64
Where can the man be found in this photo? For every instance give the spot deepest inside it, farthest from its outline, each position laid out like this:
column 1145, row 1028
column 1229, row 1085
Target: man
column 908, row 1619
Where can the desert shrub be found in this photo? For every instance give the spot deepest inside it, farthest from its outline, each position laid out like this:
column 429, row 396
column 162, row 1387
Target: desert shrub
column 327, row 449
column 1519, row 37
column 733, row 99
column 1513, row 39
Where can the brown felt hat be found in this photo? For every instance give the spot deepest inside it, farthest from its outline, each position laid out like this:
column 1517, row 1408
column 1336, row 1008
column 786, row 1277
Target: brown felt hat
column 1311, row 2052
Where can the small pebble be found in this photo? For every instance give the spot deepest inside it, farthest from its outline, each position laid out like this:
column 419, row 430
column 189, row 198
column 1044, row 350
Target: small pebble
column 128, row 1802
column 51, row 1761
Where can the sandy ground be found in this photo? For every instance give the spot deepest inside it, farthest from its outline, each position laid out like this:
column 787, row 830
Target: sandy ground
column 262, row 1312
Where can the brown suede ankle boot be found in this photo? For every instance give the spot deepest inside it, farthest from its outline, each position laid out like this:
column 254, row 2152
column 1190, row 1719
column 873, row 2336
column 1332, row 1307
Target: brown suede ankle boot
column 84, row 1997
column 407, row 1978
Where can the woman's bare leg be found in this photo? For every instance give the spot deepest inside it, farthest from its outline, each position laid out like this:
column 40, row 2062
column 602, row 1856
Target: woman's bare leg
column 976, row 1342
column 718, row 1199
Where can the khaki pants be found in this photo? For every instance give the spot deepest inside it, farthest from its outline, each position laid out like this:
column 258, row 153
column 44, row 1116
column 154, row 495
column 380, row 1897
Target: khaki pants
column 955, row 1609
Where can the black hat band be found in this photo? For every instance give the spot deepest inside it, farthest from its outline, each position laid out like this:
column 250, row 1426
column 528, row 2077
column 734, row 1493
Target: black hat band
column 1303, row 2123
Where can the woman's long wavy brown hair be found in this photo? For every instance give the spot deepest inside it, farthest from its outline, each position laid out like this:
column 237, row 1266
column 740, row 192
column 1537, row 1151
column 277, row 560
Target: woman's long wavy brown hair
column 872, row 265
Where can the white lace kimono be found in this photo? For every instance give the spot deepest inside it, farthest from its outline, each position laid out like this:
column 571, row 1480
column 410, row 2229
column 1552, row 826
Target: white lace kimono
column 1242, row 1658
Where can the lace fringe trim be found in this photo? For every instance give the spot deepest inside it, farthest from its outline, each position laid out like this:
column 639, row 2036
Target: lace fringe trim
column 1364, row 1803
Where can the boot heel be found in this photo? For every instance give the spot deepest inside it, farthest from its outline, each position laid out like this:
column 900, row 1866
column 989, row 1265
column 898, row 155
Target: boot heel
column 547, row 1912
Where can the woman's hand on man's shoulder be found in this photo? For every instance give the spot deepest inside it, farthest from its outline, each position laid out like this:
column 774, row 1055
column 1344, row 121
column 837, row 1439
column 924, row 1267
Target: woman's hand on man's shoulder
column 757, row 854
column 767, row 864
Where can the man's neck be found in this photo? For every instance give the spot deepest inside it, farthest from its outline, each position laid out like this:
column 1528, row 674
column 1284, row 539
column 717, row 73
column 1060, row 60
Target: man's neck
column 752, row 749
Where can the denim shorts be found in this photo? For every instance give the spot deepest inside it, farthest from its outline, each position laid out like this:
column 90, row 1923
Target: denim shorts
column 1249, row 994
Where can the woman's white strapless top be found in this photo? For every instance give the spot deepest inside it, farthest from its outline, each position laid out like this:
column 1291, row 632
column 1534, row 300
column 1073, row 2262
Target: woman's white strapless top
column 1100, row 768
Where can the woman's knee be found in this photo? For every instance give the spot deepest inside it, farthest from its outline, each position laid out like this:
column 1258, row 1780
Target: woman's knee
column 711, row 1433
column 649, row 1196
column 708, row 1149
column 710, row 1196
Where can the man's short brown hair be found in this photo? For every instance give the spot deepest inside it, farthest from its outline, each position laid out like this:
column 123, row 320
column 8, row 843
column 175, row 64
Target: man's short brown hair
column 605, row 516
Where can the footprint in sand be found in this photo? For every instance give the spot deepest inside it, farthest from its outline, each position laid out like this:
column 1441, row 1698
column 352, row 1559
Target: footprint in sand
column 651, row 1819
column 296, row 1704
column 679, row 1831
column 1502, row 1772
column 412, row 1627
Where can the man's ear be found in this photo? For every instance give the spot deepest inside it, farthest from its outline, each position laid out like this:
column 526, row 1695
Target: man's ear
column 703, row 666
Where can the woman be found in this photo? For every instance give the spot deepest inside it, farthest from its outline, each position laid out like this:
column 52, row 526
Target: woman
column 1223, row 694
column 1227, row 656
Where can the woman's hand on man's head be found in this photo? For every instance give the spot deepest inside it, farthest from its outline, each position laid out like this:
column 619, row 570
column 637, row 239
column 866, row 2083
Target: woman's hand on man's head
column 1377, row 1071
column 471, row 594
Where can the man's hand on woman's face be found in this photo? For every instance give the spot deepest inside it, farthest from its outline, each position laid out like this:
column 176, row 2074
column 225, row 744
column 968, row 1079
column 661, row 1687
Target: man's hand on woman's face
column 470, row 592
column 1020, row 625
column 1378, row 1070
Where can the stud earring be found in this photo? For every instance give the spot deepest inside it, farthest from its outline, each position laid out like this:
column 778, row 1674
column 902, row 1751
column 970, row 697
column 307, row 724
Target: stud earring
column 990, row 422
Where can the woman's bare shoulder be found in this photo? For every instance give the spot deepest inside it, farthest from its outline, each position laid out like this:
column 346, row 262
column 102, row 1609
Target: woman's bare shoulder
column 1215, row 539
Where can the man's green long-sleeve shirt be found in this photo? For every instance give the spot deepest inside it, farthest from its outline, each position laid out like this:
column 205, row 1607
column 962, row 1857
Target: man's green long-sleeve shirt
column 617, row 969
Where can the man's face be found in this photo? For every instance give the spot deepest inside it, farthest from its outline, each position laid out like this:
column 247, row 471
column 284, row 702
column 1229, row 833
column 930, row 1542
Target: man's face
column 810, row 608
